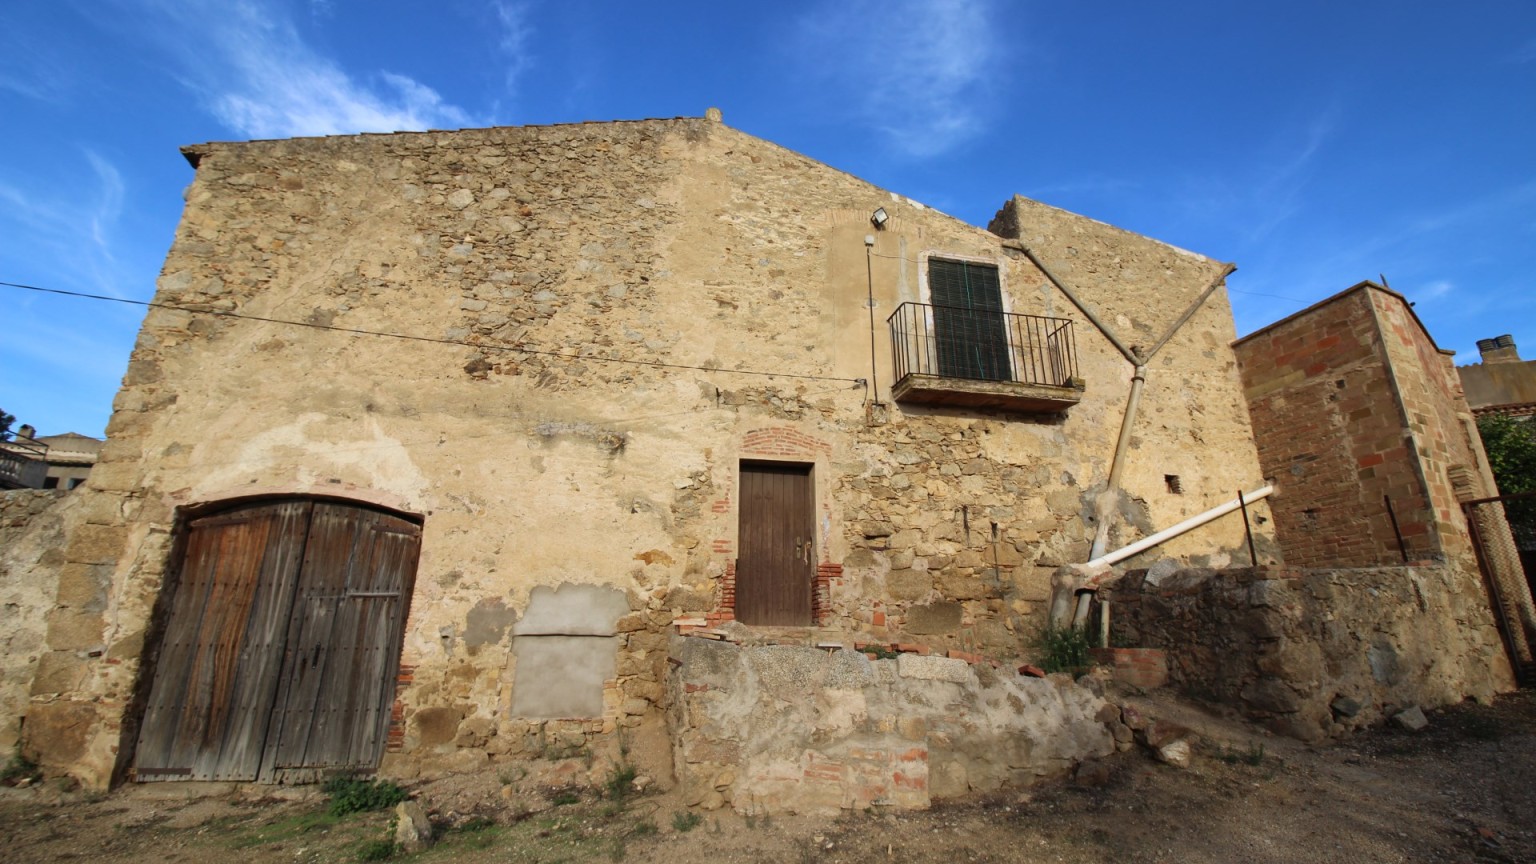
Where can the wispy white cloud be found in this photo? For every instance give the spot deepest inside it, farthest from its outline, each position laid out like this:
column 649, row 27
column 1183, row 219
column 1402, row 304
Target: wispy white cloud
column 516, row 32
column 1526, row 53
column 74, row 227
column 31, row 68
column 1434, row 290
column 109, row 202
column 1093, row 184
column 260, row 78
column 916, row 70
column 1279, row 192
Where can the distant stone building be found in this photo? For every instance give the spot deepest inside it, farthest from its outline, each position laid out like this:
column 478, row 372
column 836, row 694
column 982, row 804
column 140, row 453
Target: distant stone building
column 629, row 378
column 1502, row 383
column 70, row 457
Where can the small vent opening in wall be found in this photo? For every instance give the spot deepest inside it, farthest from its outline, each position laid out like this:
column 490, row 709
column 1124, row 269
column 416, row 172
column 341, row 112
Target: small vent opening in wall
column 1174, row 486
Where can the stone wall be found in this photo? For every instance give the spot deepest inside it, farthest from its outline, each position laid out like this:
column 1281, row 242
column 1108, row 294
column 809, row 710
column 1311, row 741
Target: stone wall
column 611, row 318
column 1316, row 653
column 32, row 525
column 773, row 728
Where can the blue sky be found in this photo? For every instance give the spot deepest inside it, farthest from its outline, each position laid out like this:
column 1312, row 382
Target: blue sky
column 1315, row 144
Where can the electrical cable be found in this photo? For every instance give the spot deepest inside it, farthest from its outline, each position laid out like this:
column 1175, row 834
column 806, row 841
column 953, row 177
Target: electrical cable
column 407, row 337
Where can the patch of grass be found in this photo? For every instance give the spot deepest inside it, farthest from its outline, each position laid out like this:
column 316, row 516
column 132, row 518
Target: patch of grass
column 475, row 823
column 19, row 771
column 1254, row 755
column 684, row 821
column 1062, row 649
column 283, row 830
column 565, row 798
column 621, row 782
column 643, row 828
column 357, row 795
column 880, row 652
column 377, row 850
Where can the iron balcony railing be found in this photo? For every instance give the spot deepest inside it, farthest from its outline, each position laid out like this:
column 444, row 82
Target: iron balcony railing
column 23, row 464
column 982, row 345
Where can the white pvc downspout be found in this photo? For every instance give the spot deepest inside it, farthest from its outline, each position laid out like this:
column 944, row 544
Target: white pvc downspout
column 1187, row 525
column 1080, row 615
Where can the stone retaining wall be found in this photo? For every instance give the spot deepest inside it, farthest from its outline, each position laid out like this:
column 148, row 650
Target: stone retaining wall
column 31, row 535
column 1316, row 653
column 775, row 728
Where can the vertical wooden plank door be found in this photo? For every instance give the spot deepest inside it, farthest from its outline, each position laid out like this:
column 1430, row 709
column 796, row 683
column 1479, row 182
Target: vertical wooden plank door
column 218, row 665
column 282, row 645
column 344, row 644
column 776, row 557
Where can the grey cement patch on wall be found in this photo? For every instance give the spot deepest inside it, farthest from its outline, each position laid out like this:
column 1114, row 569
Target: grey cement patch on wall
column 572, row 610
column 487, row 623
column 566, row 647
column 561, row 676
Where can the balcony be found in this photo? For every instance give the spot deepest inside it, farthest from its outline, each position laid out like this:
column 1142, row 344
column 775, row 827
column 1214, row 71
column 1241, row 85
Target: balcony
column 978, row 358
column 23, row 464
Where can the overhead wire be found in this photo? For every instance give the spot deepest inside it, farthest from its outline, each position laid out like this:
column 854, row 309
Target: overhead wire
column 490, row 346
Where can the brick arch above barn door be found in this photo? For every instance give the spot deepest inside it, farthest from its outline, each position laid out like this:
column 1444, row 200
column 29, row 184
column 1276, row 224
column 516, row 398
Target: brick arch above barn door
column 282, row 643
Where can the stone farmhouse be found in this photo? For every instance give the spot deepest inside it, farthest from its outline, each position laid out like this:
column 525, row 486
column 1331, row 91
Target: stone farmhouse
column 435, row 441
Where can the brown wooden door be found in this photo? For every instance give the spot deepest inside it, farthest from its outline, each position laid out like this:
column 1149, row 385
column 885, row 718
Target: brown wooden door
column 344, row 640
column 776, row 560
column 273, row 600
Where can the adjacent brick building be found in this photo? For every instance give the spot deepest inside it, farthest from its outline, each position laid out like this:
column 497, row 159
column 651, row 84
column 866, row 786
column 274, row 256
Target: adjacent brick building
column 1361, row 420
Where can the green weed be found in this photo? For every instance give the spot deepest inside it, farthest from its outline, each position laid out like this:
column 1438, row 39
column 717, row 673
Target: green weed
column 377, row 850
column 1062, row 649
column 19, row 770
column 283, row 830
column 684, row 821
column 1254, row 755
column 621, row 783
column 643, row 828
column 357, row 795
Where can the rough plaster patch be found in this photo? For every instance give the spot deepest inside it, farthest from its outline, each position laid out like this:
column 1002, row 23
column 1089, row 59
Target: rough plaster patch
column 488, row 623
column 934, row 668
column 383, row 461
column 565, row 648
column 609, row 439
column 572, row 610
column 940, row 617
column 562, row 676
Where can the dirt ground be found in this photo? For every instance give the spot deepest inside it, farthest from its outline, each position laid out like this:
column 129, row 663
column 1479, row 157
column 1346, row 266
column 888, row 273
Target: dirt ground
column 1462, row 790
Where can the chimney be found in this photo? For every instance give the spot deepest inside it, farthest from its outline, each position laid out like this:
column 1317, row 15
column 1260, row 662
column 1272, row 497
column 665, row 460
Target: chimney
column 1500, row 350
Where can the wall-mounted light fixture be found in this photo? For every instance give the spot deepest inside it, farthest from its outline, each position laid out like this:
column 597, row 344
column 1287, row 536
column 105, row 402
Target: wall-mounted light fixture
column 879, row 218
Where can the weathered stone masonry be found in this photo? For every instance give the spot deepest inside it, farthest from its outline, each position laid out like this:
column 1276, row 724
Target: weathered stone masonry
column 611, row 294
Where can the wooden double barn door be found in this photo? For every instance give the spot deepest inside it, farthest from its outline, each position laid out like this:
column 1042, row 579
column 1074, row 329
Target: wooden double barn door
column 280, row 653
column 776, row 557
